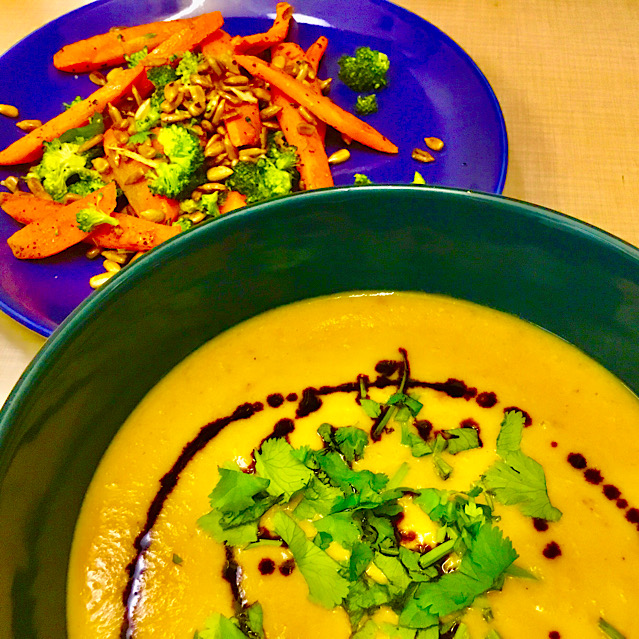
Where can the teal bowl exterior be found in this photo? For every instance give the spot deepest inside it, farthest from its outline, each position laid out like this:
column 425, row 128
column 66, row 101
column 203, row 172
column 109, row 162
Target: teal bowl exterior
column 573, row 280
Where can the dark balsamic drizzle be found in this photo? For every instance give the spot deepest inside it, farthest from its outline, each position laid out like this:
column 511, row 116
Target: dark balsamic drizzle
column 610, row 491
column 168, row 482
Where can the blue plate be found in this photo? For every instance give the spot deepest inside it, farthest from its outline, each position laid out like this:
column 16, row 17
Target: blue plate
column 435, row 89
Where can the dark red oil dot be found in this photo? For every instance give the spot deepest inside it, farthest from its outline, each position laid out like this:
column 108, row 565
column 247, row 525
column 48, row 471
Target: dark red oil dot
column 552, row 550
column 486, row 400
column 469, row 423
column 553, row 634
column 386, row 367
column 577, row 460
column 470, row 393
column 633, row 516
column 622, row 503
column 611, row 492
column 424, row 428
column 540, row 524
column 291, row 397
column 554, row 444
column 287, row 567
column 266, row 566
column 408, row 535
column 593, row 476
column 275, row 400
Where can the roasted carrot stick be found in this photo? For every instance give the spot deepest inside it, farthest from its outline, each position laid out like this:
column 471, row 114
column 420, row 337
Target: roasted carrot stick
column 315, row 52
column 137, row 192
column 318, row 105
column 259, row 42
column 197, row 30
column 29, row 148
column 234, row 200
column 131, row 234
column 245, row 126
column 26, row 207
column 59, row 230
column 109, row 49
column 315, row 172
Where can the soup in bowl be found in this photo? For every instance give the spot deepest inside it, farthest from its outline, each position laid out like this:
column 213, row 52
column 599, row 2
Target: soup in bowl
column 388, row 446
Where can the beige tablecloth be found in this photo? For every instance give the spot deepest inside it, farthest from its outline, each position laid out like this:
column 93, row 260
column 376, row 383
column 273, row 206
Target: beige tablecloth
column 566, row 75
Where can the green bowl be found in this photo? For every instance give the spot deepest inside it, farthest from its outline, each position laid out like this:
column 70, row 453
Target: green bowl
column 574, row 280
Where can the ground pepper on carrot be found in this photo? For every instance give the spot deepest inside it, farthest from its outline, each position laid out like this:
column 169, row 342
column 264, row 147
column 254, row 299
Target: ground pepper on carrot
column 200, row 123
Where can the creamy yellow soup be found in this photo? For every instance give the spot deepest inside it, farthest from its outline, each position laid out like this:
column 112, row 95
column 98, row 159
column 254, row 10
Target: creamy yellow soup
column 140, row 546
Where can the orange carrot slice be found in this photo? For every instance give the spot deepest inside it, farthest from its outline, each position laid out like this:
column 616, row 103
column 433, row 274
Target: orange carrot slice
column 318, row 105
column 315, row 172
column 26, row 207
column 259, row 42
column 132, row 234
column 59, row 230
column 29, row 148
column 316, row 51
column 109, row 49
column 244, row 127
column 234, row 200
column 137, row 193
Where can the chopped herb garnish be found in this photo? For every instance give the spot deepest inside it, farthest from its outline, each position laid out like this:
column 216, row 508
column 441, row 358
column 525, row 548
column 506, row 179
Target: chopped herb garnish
column 609, row 630
column 357, row 510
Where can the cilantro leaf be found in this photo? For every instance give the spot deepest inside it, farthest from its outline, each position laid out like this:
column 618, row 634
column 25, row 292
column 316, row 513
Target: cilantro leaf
column 519, row 479
column 275, row 461
column 418, row 447
column 363, row 596
column 325, row 585
column 351, row 442
column 340, row 527
column 237, row 501
column 394, row 571
column 461, row 439
column 361, row 557
column 510, row 433
column 220, row 627
column 372, row 408
column 235, row 536
column 318, row 499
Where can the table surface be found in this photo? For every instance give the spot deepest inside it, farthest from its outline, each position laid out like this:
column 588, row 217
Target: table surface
column 565, row 74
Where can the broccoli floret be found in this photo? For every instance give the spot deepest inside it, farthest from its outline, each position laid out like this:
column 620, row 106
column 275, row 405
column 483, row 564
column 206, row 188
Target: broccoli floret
column 207, row 204
column 365, row 71
column 68, row 105
column 188, row 66
column 61, row 167
column 181, row 174
column 269, row 177
column 159, row 77
column 366, row 104
column 90, row 217
column 183, row 223
column 135, row 58
column 361, row 179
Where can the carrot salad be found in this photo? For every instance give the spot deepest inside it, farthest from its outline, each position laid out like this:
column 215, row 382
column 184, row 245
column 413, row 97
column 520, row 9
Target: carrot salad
column 188, row 122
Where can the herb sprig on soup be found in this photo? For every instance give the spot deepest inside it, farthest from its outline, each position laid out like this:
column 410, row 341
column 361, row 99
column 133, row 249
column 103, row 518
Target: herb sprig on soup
column 367, row 465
